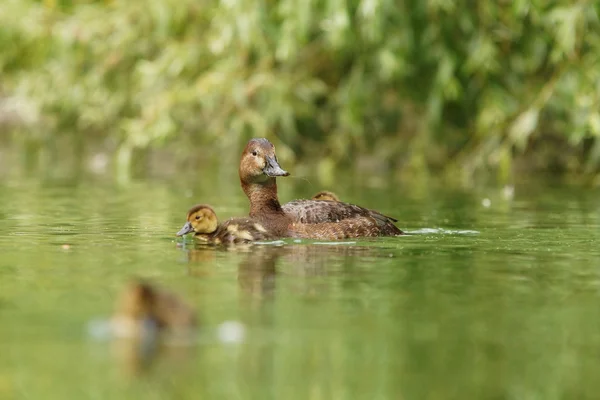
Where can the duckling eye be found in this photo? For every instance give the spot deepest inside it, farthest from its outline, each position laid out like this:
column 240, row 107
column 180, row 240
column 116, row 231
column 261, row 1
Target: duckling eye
column 254, row 153
column 197, row 217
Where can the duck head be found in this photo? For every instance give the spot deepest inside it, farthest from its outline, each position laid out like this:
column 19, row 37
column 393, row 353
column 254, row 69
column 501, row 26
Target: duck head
column 326, row 195
column 137, row 301
column 200, row 219
column 259, row 163
column 143, row 306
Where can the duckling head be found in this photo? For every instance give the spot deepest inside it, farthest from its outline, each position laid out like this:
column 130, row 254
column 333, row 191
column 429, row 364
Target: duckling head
column 200, row 219
column 144, row 309
column 137, row 301
column 259, row 162
column 326, row 195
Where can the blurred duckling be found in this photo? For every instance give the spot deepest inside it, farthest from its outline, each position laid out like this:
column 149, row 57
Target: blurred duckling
column 150, row 324
column 326, row 195
column 143, row 309
column 202, row 220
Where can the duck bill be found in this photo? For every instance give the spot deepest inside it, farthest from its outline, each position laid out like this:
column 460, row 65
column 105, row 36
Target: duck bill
column 273, row 169
column 187, row 228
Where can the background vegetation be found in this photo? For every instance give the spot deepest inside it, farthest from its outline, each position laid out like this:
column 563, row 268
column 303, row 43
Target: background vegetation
column 451, row 85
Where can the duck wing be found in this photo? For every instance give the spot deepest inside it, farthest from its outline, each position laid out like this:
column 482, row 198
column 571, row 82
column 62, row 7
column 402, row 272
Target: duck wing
column 328, row 212
column 243, row 230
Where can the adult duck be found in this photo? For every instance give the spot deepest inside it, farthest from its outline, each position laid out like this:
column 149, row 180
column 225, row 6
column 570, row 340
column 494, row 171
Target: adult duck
column 314, row 219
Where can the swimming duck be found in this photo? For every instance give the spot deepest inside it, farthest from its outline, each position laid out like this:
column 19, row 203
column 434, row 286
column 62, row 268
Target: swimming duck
column 202, row 220
column 326, row 195
column 316, row 219
column 144, row 309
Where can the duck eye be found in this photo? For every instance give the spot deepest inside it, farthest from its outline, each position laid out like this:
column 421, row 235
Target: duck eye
column 254, row 153
column 197, row 217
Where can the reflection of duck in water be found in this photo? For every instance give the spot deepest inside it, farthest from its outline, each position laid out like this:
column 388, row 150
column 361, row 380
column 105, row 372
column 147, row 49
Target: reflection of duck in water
column 311, row 219
column 202, row 220
column 259, row 269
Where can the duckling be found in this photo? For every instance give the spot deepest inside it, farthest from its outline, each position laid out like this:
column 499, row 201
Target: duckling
column 315, row 219
column 326, row 195
column 202, row 220
column 143, row 309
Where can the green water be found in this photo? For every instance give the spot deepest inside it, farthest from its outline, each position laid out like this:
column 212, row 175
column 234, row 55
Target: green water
column 510, row 311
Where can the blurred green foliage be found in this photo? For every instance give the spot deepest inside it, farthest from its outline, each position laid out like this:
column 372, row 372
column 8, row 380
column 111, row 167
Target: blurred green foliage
column 427, row 84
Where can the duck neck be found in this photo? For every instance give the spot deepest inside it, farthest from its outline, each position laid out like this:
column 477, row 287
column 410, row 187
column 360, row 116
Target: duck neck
column 263, row 197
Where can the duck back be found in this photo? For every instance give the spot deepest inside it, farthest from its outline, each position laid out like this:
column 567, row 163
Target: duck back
column 337, row 220
column 241, row 230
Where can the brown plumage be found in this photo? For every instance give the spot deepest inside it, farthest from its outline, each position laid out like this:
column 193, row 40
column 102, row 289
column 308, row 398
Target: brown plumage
column 337, row 220
column 202, row 220
column 315, row 219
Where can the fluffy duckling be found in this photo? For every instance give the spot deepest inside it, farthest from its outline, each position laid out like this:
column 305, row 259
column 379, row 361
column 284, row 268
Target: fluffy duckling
column 202, row 220
column 312, row 219
column 143, row 309
column 326, row 195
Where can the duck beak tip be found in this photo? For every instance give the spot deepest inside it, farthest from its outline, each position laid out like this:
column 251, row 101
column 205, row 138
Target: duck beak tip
column 273, row 169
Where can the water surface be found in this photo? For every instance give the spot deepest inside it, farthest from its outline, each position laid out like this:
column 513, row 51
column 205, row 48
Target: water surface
column 488, row 297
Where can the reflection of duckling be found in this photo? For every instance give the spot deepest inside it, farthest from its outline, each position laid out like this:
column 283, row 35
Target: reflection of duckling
column 326, row 195
column 144, row 309
column 202, row 220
